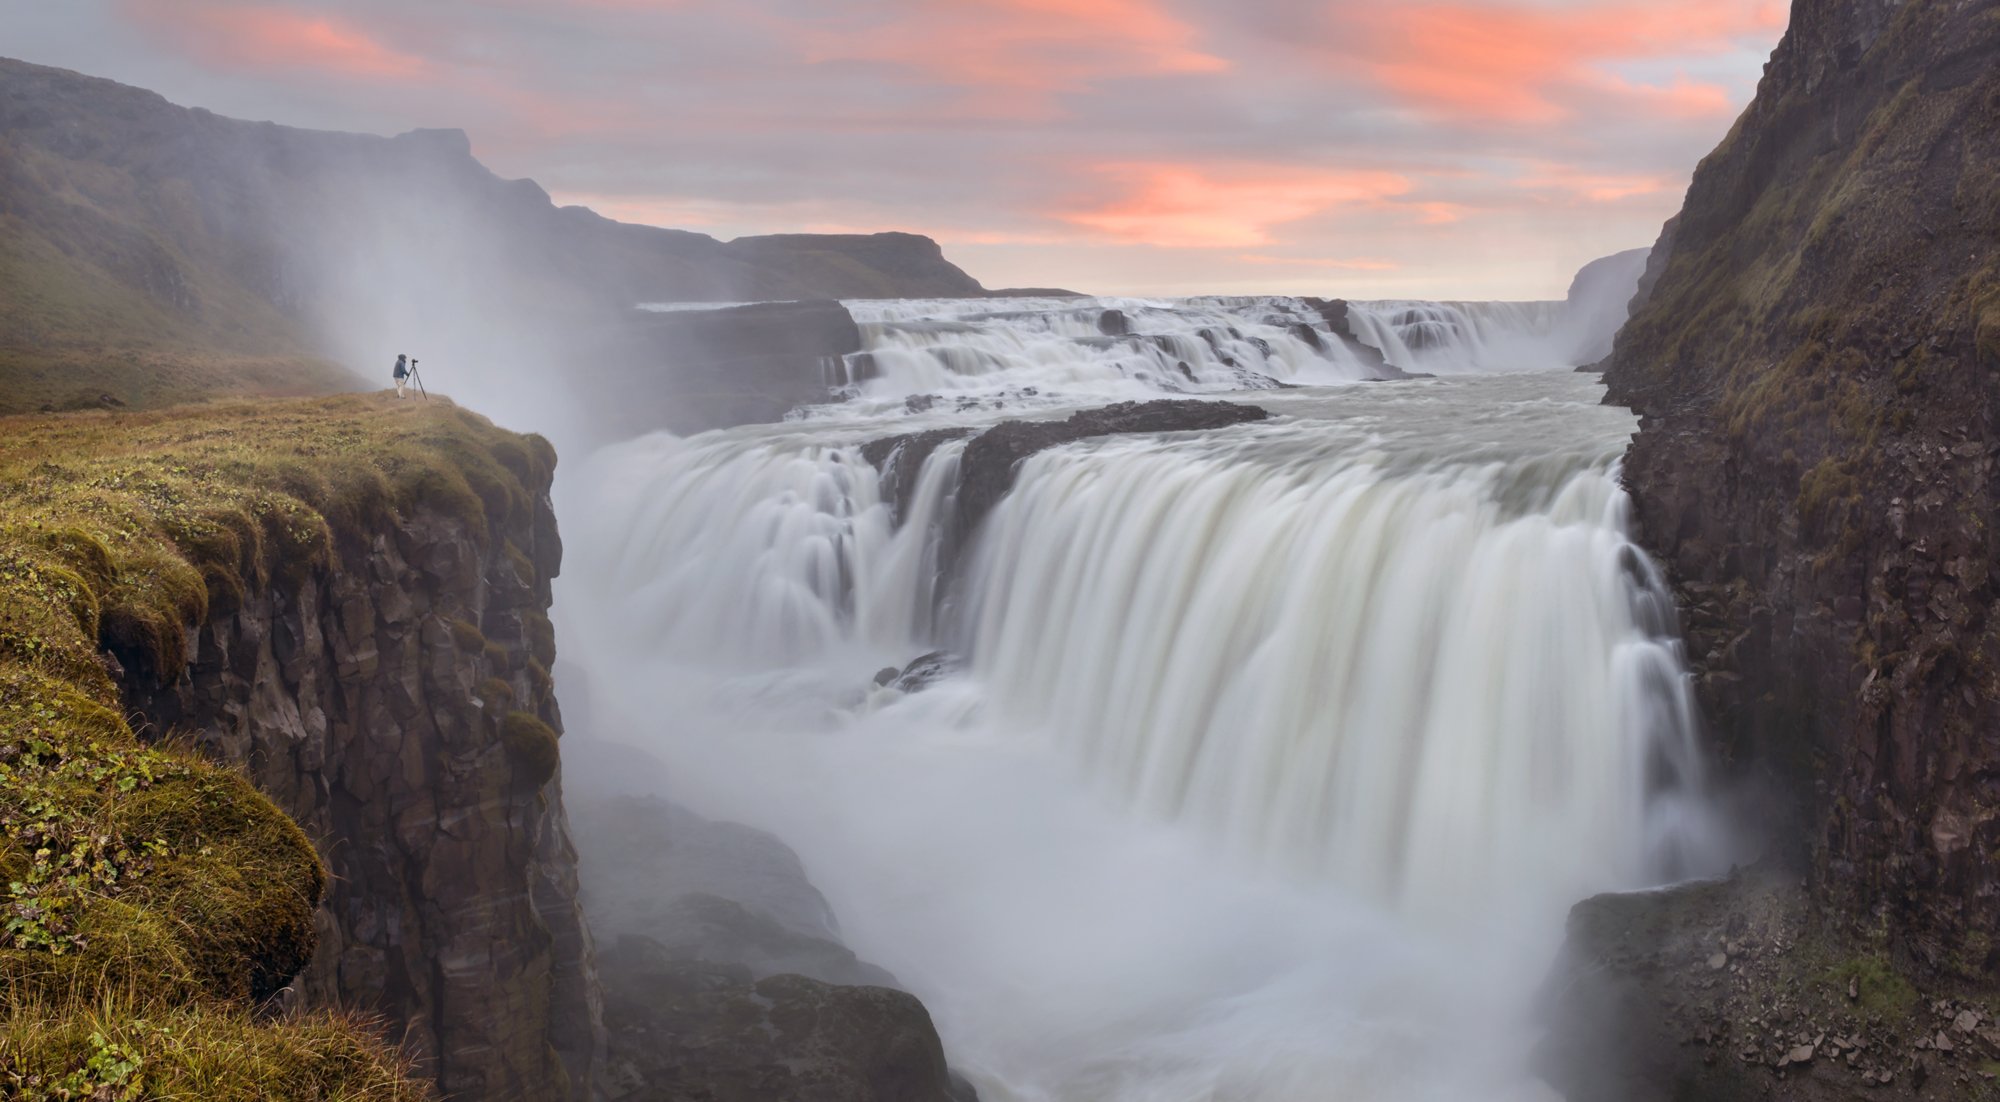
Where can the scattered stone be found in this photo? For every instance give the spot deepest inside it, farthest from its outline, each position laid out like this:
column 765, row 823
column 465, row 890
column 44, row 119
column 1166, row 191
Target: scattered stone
column 1853, row 988
column 1967, row 1021
column 1718, row 962
column 1943, row 1042
column 1799, row 1054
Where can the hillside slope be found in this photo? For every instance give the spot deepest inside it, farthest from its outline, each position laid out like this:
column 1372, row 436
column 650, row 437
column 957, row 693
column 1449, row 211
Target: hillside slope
column 151, row 252
column 1817, row 372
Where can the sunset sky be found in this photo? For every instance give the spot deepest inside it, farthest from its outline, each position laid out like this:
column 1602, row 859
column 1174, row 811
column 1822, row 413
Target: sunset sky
column 1371, row 148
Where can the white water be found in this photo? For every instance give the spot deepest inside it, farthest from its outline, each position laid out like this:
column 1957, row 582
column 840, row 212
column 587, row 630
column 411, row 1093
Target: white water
column 1050, row 352
column 1281, row 750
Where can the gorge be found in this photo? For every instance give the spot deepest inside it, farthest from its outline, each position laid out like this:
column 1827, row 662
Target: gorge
column 901, row 690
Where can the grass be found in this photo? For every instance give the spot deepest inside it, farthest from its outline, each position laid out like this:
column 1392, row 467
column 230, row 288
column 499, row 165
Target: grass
column 152, row 898
column 114, row 1051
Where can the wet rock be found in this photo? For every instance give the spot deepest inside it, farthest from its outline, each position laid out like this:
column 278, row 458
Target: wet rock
column 687, row 1030
column 924, row 672
column 992, row 458
column 1114, row 323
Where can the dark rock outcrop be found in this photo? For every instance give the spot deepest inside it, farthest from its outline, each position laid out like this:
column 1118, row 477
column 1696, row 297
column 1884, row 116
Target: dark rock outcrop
column 685, row 1030
column 1726, row 990
column 692, row 370
column 1817, row 372
column 400, row 709
column 728, row 979
column 991, row 459
column 987, row 467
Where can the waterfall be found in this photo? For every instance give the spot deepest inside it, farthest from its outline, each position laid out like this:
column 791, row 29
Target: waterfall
column 1455, row 338
column 1265, row 755
column 1405, row 683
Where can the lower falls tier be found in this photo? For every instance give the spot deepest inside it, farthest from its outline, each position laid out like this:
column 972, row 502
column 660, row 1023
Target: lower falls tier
column 1382, row 668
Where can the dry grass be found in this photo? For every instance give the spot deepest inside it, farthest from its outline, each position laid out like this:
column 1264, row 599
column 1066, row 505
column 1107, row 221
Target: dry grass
column 110, row 1049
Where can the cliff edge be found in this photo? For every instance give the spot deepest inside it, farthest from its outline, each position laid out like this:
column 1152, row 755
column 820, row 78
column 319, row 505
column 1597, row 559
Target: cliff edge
column 1817, row 373
column 343, row 602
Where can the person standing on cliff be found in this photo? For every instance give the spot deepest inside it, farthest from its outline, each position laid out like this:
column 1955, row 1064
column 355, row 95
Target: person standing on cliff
column 402, row 373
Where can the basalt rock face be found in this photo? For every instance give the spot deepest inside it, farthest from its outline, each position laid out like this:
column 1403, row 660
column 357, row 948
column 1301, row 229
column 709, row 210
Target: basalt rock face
column 1817, row 373
column 401, row 710
column 691, row 370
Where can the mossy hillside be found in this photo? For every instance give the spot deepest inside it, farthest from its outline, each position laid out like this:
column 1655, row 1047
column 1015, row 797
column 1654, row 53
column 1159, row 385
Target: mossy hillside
column 138, row 869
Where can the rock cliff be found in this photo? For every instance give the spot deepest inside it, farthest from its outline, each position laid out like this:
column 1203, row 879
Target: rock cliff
column 1815, row 358
column 396, row 702
column 343, row 603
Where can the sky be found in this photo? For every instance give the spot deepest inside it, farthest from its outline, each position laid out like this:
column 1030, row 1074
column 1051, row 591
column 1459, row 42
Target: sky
column 1363, row 148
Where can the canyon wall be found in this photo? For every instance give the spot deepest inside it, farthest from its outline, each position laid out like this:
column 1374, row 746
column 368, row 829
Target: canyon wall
column 396, row 701
column 1816, row 366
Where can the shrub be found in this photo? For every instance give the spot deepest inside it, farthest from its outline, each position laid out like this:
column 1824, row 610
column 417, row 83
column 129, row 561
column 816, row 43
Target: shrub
column 531, row 746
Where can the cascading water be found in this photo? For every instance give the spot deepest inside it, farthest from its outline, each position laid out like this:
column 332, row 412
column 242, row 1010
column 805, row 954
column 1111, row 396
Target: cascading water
column 1276, row 749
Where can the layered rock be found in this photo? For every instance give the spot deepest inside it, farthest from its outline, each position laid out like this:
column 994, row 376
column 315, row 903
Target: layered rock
column 1817, row 372
column 399, row 707
column 725, row 977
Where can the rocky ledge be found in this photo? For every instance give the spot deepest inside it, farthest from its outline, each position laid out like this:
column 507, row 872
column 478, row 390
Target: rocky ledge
column 725, row 978
column 991, row 458
column 1724, row 991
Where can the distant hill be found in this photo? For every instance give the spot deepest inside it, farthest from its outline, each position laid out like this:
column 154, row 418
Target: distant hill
column 150, row 252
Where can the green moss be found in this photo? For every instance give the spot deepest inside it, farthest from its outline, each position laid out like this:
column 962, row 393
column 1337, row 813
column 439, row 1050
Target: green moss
column 495, row 693
column 467, row 635
column 531, row 746
column 1880, row 988
column 541, row 633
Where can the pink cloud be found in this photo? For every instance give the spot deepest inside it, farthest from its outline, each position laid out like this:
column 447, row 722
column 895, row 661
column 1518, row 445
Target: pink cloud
column 260, row 37
column 1522, row 63
column 1029, row 47
column 1198, row 207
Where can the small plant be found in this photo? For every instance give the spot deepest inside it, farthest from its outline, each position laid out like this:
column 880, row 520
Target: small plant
column 111, row 1074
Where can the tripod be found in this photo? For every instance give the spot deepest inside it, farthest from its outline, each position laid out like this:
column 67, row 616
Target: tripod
column 419, row 380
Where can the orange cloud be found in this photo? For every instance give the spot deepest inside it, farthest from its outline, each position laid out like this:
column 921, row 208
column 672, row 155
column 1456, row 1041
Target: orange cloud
column 1182, row 206
column 1023, row 46
column 1512, row 62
